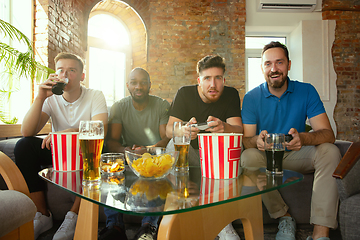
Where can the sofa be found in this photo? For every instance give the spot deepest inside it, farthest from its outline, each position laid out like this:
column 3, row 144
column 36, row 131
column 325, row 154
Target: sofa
column 297, row 196
column 347, row 179
column 16, row 209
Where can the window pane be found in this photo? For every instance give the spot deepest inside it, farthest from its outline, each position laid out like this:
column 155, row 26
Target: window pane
column 259, row 42
column 109, row 29
column 255, row 76
column 107, row 73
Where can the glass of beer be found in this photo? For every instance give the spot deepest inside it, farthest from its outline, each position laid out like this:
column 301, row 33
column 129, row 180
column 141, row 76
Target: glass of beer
column 182, row 138
column 91, row 137
column 274, row 149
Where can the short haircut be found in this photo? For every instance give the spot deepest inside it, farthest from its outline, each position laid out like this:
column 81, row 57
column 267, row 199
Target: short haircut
column 140, row 69
column 210, row 61
column 75, row 57
column 276, row 45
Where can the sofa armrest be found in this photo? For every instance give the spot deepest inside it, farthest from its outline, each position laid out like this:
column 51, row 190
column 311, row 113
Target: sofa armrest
column 12, row 175
column 347, row 172
column 350, row 158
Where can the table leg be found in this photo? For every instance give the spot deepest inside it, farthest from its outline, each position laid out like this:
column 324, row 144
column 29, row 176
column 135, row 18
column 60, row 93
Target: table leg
column 87, row 222
column 207, row 223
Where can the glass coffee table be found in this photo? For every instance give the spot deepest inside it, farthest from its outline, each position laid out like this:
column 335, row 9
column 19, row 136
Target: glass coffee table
column 193, row 207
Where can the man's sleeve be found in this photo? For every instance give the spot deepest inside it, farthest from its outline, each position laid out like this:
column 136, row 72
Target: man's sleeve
column 178, row 106
column 98, row 104
column 235, row 109
column 248, row 114
column 46, row 107
column 115, row 115
column 314, row 105
column 164, row 112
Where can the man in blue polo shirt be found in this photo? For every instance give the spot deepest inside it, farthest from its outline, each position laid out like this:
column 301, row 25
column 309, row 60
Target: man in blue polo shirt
column 281, row 105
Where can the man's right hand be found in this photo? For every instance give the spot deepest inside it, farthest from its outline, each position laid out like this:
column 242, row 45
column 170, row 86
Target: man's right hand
column 45, row 87
column 194, row 130
column 260, row 140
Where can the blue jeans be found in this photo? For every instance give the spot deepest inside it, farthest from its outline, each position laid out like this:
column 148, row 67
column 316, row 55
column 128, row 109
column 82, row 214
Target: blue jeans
column 115, row 218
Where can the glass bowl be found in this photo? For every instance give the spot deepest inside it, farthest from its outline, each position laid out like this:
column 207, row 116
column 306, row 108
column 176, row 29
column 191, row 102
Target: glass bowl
column 148, row 195
column 112, row 163
column 151, row 163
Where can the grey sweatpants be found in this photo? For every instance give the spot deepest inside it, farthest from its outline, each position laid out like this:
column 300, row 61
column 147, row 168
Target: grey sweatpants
column 322, row 160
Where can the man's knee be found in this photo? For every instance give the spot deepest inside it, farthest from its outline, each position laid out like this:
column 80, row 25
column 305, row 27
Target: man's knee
column 328, row 152
column 252, row 157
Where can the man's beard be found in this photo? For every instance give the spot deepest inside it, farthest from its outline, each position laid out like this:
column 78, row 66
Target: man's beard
column 140, row 100
column 276, row 84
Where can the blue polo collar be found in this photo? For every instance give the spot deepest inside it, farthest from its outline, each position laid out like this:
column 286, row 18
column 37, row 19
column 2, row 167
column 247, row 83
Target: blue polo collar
column 267, row 93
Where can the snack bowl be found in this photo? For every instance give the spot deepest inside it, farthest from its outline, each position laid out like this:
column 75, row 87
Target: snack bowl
column 148, row 195
column 112, row 163
column 152, row 162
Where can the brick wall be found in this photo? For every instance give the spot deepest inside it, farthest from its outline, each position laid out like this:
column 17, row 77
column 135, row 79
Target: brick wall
column 179, row 34
column 346, row 57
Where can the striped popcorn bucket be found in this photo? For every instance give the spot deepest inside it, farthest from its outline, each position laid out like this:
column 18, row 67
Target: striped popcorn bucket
column 65, row 150
column 214, row 190
column 69, row 180
column 220, row 155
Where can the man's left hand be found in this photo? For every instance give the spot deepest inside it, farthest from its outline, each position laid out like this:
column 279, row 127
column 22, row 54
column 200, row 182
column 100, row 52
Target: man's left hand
column 216, row 126
column 295, row 144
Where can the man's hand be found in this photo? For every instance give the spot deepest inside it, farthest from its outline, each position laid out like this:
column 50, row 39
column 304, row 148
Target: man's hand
column 260, row 140
column 194, row 130
column 45, row 87
column 295, row 144
column 46, row 142
column 216, row 126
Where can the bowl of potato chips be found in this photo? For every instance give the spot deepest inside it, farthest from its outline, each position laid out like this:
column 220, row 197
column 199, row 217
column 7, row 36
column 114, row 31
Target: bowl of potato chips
column 151, row 163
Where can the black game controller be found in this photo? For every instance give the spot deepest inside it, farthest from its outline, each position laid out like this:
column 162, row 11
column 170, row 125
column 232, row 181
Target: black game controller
column 288, row 137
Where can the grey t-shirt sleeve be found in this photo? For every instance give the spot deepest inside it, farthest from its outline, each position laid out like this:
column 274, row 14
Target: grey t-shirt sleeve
column 115, row 113
column 164, row 112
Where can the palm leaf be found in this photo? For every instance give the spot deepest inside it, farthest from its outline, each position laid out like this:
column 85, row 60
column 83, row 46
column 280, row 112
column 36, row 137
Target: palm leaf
column 17, row 64
column 20, row 64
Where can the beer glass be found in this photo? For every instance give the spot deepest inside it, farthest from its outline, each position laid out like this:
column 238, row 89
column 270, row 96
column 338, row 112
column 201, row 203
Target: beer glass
column 274, row 149
column 91, row 137
column 182, row 138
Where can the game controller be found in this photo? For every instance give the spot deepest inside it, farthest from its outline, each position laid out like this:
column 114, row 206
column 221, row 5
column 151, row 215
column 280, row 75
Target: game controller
column 201, row 126
column 288, row 137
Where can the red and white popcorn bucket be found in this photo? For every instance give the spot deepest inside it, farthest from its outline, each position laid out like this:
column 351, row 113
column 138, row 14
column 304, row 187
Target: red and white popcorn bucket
column 65, row 150
column 214, row 190
column 69, row 180
column 220, row 155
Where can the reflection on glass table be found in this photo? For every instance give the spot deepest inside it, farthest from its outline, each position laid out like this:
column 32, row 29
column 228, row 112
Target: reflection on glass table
column 176, row 193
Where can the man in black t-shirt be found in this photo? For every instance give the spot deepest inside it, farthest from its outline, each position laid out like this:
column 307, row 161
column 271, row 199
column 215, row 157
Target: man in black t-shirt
column 209, row 100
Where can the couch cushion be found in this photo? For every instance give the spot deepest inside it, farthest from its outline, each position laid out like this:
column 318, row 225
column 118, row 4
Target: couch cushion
column 349, row 214
column 16, row 209
column 7, row 147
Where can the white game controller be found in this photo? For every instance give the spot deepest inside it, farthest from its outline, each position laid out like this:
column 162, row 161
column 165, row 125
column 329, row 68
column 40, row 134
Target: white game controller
column 201, row 126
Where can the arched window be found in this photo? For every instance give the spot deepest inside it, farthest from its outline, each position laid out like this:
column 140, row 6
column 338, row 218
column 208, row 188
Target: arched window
column 108, row 56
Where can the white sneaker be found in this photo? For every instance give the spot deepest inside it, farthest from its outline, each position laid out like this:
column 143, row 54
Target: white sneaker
column 228, row 233
column 42, row 223
column 67, row 229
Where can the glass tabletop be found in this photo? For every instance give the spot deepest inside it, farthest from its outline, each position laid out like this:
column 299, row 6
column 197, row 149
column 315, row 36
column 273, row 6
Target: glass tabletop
column 176, row 193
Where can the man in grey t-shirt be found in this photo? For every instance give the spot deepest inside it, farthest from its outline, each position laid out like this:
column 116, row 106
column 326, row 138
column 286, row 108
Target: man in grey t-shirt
column 136, row 121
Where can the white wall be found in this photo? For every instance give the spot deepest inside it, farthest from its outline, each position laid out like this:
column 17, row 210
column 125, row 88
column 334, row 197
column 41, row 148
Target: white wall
column 309, row 40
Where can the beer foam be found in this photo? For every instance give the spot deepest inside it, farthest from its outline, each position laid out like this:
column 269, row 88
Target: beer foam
column 87, row 137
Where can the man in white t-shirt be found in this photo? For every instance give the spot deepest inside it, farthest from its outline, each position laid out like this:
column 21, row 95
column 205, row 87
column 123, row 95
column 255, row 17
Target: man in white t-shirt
column 65, row 111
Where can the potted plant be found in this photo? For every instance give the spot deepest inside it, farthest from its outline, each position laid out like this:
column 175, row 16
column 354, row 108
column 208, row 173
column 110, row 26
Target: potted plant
column 16, row 64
